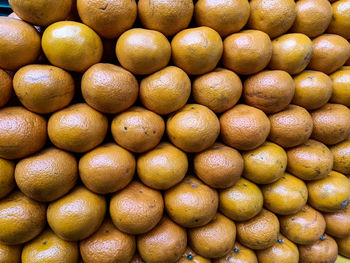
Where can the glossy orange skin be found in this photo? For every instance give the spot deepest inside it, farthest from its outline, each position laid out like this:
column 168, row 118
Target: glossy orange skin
column 5, row 87
column 341, row 87
column 10, row 254
column 239, row 254
column 338, row 223
column 7, row 179
column 340, row 24
column 341, row 154
column 344, row 246
column 190, row 256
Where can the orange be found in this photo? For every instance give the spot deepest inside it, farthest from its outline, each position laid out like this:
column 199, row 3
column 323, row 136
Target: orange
column 310, row 161
column 272, row 17
column 167, row 17
column 197, row 50
column 247, row 52
column 5, row 87
column 220, row 166
column 286, row 196
column 137, row 129
column 20, row 43
column 143, row 51
column 107, row 168
column 77, row 128
column 291, row 53
column 304, row 227
column 330, row 53
column 313, row 17
column 108, row 244
column 166, row 90
column 344, row 246
column 47, row 175
column 76, row 215
column 109, row 88
column 43, row 88
column 162, row 167
column 265, row 164
column 21, row 218
column 108, row 18
column 10, row 254
column 340, row 24
column 244, row 127
column 270, row 90
column 291, row 127
column 241, row 201
column 71, row 46
column 7, row 179
column 338, row 223
column 219, row 90
column 164, row 243
column 313, row 89
column 193, row 128
column 191, row 256
column 260, row 232
column 22, row 132
column 191, row 203
column 136, row 209
column 239, row 254
column 48, row 247
column 341, row 154
column 225, row 17
column 331, row 123
column 215, row 239
column 341, row 87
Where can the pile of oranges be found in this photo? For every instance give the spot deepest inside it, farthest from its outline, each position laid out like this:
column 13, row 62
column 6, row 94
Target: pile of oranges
column 165, row 131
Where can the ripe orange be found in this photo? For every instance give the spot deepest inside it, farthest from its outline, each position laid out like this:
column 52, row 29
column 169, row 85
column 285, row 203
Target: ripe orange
column 5, row 87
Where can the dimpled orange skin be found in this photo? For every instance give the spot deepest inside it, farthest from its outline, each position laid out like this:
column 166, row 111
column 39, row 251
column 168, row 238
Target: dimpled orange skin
column 5, row 87
column 291, row 53
column 164, row 243
column 167, row 17
column 225, row 17
column 109, row 88
column 338, row 223
column 108, row 18
column 341, row 87
column 344, row 246
column 244, row 127
column 21, row 218
column 47, row 175
column 193, row 128
column 71, row 46
column 77, row 128
column 313, row 89
column 330, row 53
column 48, row 247
column 166, row 90
column 272, row 17
column 7, row 180
column 191, row 203
column 313, row 17
column 239, row 254
column 43, row 88
column 22, row 132
column 310, row 161
column 247, row 52
column 283, row 251
column 76, row 215
column 215, row 239
column 303, row 227
column 192, row 257
column 219, row 90
column 143, row 51
column 242, row 201
column 136, row 209
column 329, row 194
column 162, row 167
column 291, row 127
column 331, row 123
column 10, row 254
column 270, row 90
column 323, row 250
column 260, row 232
column 220, row 166
column 19, row 43
column 286, row 196
column 107, row 168
column 197, row 50
column 137, row 129
column 340, row 24
column 108, row 244
column 341, row 154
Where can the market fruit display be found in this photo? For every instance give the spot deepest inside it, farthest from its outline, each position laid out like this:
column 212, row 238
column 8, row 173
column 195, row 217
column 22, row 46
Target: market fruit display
column 175, row 131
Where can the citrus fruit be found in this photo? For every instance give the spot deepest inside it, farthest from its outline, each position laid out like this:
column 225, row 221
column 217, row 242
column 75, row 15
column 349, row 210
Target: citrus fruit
column 340, row 24
column 10, row 254
column 341, row 87
column 238, row 254
column 7, row 179
column 191, row 256
column 338, row 223
column 341, row 154
column 5, row 87
column 344, row 246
